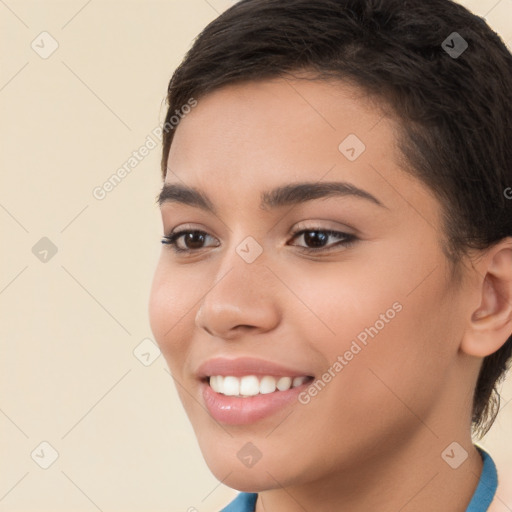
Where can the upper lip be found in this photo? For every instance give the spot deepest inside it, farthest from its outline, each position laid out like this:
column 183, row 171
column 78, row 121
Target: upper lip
column 240, row 366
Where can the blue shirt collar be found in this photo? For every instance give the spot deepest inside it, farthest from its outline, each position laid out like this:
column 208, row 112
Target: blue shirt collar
column 487, row 485
column 482, row 498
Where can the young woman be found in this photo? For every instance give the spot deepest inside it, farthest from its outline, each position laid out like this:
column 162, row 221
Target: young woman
column 334, row 294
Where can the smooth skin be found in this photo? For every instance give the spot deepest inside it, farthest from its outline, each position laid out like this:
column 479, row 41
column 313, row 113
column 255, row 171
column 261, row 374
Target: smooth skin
column 372, row 439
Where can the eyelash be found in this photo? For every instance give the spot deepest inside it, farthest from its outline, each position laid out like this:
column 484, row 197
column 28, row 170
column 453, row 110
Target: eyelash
column 348, row 239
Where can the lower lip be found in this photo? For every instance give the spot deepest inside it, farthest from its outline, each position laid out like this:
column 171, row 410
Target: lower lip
column 233, row 410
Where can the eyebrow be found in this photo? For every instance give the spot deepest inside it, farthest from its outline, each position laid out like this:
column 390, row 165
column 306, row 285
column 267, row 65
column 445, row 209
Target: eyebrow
column 285, row 195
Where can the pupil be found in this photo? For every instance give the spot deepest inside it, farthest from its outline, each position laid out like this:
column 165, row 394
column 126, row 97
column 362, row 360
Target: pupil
column 315, row 238
column 190, row 238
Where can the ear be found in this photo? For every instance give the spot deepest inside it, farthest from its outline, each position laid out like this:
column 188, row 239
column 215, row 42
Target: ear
column 490, row 324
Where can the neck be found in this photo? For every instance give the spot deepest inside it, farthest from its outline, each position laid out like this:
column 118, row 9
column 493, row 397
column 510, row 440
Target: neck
column 410, row 477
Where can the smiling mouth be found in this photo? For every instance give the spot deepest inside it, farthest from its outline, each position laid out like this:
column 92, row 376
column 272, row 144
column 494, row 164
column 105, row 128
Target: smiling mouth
column 252, row 385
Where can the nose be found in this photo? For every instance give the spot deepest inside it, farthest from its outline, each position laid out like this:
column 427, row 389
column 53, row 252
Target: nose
column 242, row 297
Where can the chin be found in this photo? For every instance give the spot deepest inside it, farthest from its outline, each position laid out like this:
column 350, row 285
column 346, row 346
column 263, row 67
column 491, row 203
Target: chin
column 246, row 479
column 227, row 465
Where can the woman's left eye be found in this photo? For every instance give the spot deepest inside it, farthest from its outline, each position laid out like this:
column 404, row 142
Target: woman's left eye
column 318, row 236
column 314, row 236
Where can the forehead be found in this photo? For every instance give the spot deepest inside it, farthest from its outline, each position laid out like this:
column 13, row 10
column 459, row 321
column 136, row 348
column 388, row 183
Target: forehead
column 245, row 138
column 264, row 119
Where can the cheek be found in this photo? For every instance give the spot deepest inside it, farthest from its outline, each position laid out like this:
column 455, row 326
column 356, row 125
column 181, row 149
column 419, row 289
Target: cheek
column 170, row 304
column 395, row 352
column 388, row 318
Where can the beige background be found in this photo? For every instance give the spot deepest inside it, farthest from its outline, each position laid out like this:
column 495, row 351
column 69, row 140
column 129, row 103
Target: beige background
column 70, row 324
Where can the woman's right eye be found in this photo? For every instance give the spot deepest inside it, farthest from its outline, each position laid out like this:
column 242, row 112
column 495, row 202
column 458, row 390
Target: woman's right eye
column 190, row 238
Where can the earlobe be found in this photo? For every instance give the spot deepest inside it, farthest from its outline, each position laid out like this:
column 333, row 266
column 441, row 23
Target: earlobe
column 491, row 323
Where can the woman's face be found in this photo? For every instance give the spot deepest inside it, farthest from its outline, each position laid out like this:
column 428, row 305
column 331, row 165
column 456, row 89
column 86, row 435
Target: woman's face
column 371, row 315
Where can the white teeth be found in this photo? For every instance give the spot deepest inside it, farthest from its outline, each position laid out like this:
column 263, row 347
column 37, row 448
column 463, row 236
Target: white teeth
column 213, row 382
column 298, row 381
column 250, row 385
column 284, row 383
column 231, row 386
column 267, row 385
